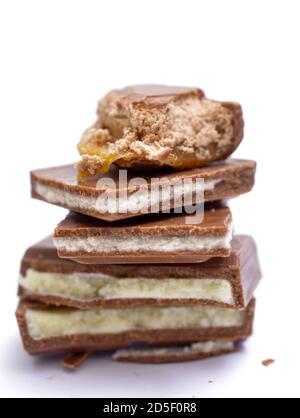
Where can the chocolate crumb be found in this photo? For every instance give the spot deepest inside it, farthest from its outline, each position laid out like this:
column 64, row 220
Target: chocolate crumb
column 73, row 360
column 268, row 362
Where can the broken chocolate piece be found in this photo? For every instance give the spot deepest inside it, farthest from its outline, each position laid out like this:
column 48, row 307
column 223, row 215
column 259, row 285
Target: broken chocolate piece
column 158, row 355
column 223, row 282
column 74, row 360
column 156, row 126
column 56, row 330
column 59, row 186
column 158, row 239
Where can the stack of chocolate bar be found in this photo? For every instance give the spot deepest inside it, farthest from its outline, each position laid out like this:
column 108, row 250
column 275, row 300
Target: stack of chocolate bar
column 146, row 262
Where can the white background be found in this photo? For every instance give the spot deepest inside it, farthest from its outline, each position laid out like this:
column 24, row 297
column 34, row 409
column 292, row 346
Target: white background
column 56, row 59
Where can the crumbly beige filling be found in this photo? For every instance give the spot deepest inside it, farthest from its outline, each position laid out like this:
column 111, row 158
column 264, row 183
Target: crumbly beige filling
column 93, row 286
column 61, row 322
column 184, row 133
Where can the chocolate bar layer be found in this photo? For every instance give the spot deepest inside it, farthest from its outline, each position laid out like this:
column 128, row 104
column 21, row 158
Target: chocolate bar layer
column 59, row 186
column 223, row 282
column 156, row 355
column 48, row 330
column 155, row 240
column 157, row 126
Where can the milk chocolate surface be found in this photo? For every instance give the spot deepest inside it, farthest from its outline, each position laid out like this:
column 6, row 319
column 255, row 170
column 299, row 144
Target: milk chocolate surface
column 241, row 270
column 59, row 186
column 152, row 240
column 155, row 94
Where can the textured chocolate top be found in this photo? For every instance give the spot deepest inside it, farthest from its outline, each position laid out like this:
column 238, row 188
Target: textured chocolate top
column 155, row 93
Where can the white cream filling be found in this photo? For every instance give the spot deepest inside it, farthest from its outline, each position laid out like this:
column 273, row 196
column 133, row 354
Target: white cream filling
column 142, row 201
column 206, row 347
column 93, row 286
column 153, row 244
column 62, row 322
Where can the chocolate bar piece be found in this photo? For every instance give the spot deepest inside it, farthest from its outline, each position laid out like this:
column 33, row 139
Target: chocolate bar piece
column 156, row 126
column 160, row 239
column 157, row 355
column 74, row 360
column 59, row 186
column 47, row 330
column 223, row 282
